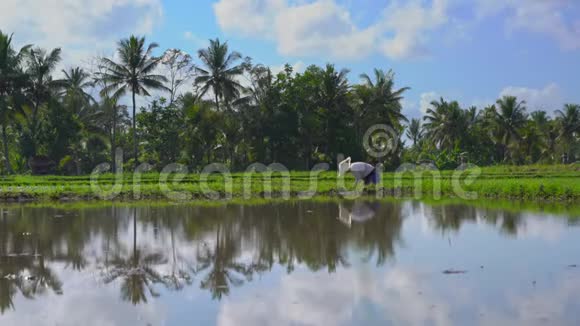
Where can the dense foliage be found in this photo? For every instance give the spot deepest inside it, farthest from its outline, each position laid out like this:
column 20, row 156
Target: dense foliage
column 224, row 108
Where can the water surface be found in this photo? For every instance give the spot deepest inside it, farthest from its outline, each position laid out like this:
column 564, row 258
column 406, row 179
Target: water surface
column 302, row 263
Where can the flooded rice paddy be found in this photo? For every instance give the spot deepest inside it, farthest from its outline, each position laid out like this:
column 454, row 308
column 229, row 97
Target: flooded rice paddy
column 292, row 263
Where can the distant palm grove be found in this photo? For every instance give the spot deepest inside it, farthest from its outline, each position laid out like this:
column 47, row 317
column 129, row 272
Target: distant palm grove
column 221, row 107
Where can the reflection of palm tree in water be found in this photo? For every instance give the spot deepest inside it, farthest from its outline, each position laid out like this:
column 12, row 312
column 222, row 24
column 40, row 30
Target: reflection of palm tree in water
column 8, row 285
column 451, row 217
column 42, row 278
column 378, row 228
column 178, row 277
column 8, row 288
column 24, row 273
column 136, row 271
column 508, row 222
column 224, row 269
column 37, row 281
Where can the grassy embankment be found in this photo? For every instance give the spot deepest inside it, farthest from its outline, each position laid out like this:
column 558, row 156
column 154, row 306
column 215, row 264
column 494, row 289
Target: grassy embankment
column 534, row 182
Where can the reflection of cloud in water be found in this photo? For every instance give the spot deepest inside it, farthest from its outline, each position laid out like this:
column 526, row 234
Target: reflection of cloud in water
column 359, row 212
column 317, row 299
column 282, row 247
column 548, row 228
column 401, row 297
column 81, row 305
column 553, row 304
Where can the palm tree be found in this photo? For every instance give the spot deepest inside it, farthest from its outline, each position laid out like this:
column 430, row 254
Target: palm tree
column 569, row 121
column 446, row 123
column 112, row 116
column 378, row 102
column 551, row 140
column 384, row 98
column 540, row 119
column 10, row 76
column 471, row 116
column 134, row 73
column 509, row 117
column 82, row 106
column 75, row 81
column 220, row 72
column 262, row 100
column 414, row 132
column 332, row 99
column 39, row 67
column 532, row 142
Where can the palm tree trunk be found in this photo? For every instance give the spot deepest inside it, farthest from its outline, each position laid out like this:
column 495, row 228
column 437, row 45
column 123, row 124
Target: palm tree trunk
column 34, row 124
column 135, row 234
column 6, row 153
column 78, row 164
column 113, row 142
column 217, row 103
column 3, row 233
column 135, row 133
column 32, row 127
column 569, row 151
column 308, row 153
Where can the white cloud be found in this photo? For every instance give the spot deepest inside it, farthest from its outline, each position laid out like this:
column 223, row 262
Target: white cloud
column 548, row 98
column 82, row 28
column 417, row 107
column 408, row 24
column 426, row 99
column 324, row 27
column 538, row 16
column 248, row 17
column 297, row 67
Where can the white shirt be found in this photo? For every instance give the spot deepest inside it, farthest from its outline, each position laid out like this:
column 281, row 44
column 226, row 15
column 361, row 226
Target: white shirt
column 361, row 169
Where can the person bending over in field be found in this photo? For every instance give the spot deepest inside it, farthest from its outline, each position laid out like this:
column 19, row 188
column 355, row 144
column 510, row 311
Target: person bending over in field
column 360, row 170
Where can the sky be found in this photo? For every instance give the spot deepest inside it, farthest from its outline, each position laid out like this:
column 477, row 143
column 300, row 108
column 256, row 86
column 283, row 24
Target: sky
column 473, row 51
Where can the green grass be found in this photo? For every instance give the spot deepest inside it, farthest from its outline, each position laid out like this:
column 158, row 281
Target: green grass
column 568, row 209
column 533, row 182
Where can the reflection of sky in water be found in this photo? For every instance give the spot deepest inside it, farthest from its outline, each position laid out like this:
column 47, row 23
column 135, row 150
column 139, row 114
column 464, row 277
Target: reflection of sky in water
column 85, row 302
column 516, row 263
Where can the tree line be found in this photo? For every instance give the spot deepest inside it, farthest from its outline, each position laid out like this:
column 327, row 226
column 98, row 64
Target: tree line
column 222, row 107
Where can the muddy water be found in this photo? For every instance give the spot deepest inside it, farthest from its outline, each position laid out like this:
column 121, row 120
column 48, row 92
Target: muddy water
column 304, row 263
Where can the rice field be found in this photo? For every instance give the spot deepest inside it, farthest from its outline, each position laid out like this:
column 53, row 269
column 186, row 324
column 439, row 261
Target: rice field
column 544, row 182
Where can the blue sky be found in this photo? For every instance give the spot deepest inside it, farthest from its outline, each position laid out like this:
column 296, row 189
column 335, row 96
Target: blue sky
column 473, row 51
